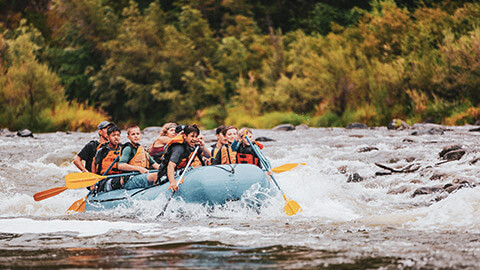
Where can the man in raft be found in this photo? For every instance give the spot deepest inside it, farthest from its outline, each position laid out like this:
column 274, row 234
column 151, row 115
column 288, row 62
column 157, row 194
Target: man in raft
column 90, row 149
column 107, row 155
column 135, row 158
column 178, row 153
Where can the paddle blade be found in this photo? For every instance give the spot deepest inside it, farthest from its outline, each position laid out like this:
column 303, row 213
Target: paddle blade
column 291, row 206
column 42, row 195
column 286, row 167
column 78, row 206
column 82, row 179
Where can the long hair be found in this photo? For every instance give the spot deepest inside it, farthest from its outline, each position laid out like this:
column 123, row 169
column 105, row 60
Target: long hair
column 166, row 127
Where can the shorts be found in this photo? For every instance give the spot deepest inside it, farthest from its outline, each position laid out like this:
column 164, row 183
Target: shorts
column 138, row 181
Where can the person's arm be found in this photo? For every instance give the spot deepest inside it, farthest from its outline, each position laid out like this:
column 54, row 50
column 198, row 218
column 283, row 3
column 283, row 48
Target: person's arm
column 152, row 163
column 235, row 145
column 129, row 167
column 78, row 162
column 171, row 175
column 204, row 149
column 125, row 158
column 87, row 151
column 162, row 140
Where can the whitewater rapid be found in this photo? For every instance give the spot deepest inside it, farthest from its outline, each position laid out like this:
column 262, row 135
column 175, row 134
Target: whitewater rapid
column 428, row 230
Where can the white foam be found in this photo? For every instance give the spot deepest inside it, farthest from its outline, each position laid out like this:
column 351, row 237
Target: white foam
column 83, row 228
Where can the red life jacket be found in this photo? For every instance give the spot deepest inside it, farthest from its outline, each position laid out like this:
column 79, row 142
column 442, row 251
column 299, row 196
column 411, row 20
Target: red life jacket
column 246, row 155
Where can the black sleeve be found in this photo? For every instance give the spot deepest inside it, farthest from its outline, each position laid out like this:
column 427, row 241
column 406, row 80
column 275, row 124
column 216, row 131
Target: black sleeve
column 177, row 154
column 88, row 151
column 101, row 153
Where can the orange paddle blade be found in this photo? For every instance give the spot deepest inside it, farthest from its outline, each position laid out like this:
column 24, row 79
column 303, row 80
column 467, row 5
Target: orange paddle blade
column 286, row 167
column 82, row 179
column 78, row 206
column 42, row 195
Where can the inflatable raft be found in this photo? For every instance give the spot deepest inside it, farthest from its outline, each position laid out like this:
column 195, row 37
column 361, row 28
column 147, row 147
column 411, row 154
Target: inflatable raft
column 209, row 185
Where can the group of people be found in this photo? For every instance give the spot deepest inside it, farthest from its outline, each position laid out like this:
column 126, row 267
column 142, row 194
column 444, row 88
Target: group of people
column 176, row 146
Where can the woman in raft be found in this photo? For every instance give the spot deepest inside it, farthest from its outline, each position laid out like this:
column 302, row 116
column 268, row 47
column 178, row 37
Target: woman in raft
column 157, row 149
column 225, row 154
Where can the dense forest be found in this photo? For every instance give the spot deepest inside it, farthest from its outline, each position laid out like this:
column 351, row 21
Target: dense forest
column 67, row 64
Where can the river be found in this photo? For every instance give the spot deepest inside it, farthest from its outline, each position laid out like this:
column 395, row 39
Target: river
column 378, row 222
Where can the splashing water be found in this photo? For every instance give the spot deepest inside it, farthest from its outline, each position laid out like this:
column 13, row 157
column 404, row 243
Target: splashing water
column 380, row 221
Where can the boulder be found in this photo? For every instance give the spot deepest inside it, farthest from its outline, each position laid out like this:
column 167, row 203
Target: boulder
column 367, row 149
column 397, row 124
column 355, row 177
column 452, row 152
column 264, row 139
column 400, row 190
column 474, row 129
column 473, row 161
column 426, row 190
column 356, row 126
column 301, row 127
column 430, row 131
column 284, row 127
column 454, row 155
column 449, row 148
column 24, row 133
column 342, row 169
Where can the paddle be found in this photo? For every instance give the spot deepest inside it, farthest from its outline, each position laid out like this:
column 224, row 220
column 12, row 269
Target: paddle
column 86, row 179
column 79, row 205
column 42, row 195
column 178, row 182
column 286, row 167
column 291, row 206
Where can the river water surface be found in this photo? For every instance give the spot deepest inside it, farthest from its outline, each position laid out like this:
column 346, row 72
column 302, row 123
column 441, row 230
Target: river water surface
column 379, row 222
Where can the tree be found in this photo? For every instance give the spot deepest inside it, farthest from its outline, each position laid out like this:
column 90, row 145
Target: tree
column 28, row 86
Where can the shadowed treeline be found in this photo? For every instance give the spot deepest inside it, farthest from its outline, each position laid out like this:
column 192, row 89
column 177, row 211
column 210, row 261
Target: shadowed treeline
column 67, row 64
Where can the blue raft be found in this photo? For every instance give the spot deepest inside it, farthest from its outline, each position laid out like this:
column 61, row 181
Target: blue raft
column 209, row 185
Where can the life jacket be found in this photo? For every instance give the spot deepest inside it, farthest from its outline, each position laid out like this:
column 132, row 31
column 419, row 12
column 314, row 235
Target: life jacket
column 140, row 158
column 246, row 154
column 178, row 140
column 227, row 155
column 108, row 159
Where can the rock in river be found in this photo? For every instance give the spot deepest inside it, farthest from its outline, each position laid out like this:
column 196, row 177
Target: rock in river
column 25, row 133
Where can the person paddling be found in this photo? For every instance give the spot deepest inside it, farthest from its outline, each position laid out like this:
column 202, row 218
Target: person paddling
column 225, row 155
column 245, row 152
column 135, row 158
column 177, row 155
column 90, row 149
column 104, row 158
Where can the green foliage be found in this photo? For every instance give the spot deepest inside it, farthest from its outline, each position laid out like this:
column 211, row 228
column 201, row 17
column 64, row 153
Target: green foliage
column 268, row 120
column 253, row 63
column 30, row 93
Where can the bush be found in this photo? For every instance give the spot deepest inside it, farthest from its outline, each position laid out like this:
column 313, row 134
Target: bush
column 269, row 120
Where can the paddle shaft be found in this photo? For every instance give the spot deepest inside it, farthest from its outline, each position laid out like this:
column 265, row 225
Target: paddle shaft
column 179, row 179
column 264, row 162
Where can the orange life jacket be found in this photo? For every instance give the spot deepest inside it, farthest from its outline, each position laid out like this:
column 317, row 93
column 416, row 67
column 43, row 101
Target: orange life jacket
column 183, row 163
column 108, row 160
column 228, row 156
column 140, row 158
